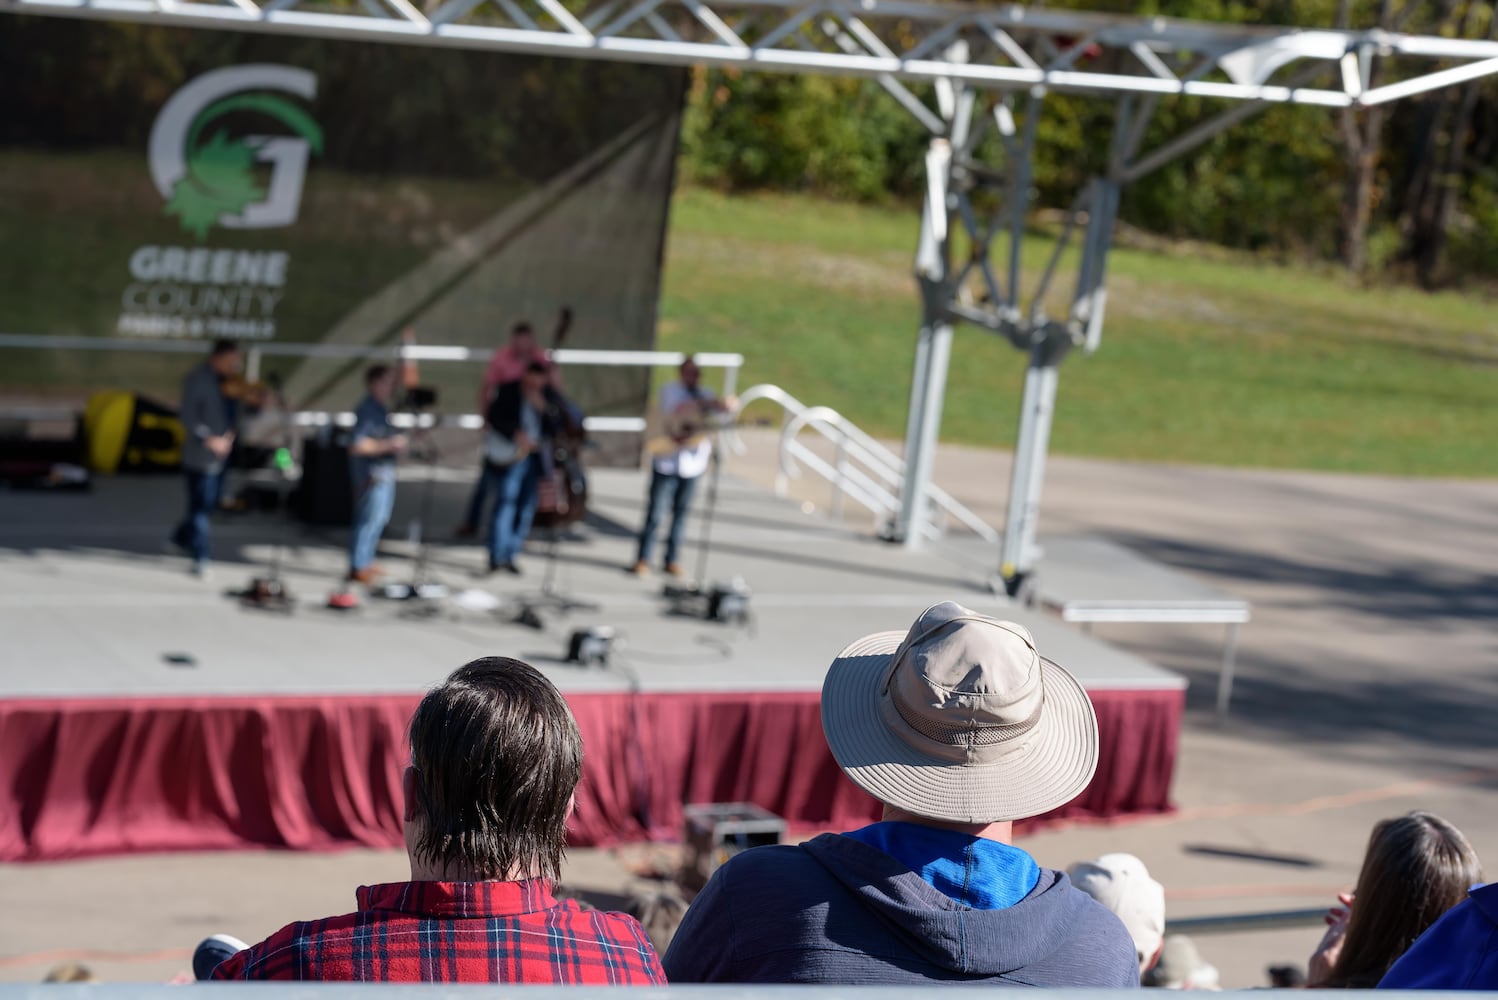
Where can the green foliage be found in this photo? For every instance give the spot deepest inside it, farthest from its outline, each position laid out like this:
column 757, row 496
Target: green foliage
column 1222, row 361
column 835, row 136
column 1246, row 187
column 1273, row 184
column 220, row 180
column 1474, row 237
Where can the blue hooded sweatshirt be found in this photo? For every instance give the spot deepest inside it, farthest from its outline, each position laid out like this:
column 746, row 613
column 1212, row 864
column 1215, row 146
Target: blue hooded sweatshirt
column 837, row 910
column 1457, row 952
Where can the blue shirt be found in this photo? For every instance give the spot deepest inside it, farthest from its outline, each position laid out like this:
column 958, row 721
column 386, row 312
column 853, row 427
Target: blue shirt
column 983, row 874
column 1457, row 952
column 371, row 420
column 530, row 420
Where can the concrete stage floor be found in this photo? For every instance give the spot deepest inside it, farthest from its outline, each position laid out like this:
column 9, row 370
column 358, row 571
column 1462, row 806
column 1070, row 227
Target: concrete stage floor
column 90, row 604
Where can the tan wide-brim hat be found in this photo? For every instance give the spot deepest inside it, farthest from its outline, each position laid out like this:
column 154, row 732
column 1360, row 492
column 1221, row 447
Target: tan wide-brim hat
column 960, row 719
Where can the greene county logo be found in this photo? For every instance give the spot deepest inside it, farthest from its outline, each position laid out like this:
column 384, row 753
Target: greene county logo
column 209, row 176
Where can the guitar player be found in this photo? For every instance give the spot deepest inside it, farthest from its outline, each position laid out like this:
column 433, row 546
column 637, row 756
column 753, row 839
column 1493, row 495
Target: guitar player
column 687, row 408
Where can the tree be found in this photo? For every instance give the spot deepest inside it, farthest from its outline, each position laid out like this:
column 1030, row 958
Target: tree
column 1362, row 144
column 1439, row 162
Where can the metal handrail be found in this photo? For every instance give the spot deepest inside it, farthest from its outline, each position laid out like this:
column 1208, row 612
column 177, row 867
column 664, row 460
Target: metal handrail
column 845, row 478
column 731, row 362
column 877, row 488
column 410, row 352
column 254, row 350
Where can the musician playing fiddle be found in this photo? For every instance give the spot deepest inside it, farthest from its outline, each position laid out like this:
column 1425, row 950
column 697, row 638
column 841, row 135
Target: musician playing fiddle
column 521, row 423
column 688, row 408
column 208, row 416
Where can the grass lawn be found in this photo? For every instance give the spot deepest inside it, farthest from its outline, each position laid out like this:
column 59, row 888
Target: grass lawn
column 1220, row 361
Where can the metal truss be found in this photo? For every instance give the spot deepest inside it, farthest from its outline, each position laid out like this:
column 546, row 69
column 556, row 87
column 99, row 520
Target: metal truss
column 1009, row 46
column 977, row 78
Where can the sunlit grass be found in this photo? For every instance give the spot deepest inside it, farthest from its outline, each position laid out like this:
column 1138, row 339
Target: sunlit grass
column 1208, row 360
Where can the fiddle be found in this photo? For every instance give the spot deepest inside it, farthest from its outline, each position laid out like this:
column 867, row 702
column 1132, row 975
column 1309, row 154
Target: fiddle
column 251, row 392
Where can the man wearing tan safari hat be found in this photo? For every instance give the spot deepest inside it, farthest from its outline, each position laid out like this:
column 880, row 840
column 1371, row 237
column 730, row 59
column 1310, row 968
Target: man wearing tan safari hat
column 959, row 727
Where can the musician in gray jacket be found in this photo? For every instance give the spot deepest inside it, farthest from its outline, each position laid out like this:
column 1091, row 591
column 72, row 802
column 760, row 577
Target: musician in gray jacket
column 208, row 417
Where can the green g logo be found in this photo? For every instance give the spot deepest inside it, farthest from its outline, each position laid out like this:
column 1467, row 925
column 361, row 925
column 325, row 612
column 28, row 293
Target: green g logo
column 208, row 176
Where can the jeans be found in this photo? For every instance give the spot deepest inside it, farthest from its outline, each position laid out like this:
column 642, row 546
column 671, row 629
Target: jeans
column 480, row 495
column 202, row 497
column 677, row 492
column 516, row 485
column 374, row 500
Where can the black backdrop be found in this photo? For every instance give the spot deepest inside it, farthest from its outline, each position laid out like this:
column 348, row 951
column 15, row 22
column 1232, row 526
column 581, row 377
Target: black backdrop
column 454, row 192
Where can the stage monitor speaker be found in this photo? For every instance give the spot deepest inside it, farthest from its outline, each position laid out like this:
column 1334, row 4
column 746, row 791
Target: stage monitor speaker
column 716, row 831
column 324, row 495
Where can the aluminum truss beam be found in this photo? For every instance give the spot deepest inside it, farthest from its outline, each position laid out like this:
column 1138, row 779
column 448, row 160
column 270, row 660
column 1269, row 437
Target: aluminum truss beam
column 979, row 194
column 1011, row 47
column 983, row 65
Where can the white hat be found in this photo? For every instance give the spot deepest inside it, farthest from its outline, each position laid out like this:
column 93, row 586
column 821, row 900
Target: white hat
column 959, row 719
column 1181, row 967
column 1122, row 884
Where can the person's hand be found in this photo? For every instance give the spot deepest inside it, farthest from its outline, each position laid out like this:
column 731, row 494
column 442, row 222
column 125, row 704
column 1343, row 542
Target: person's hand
column 396, row 443
column 220, row 445
column 1324, row 958
column 523, row 442
column 1339, row 914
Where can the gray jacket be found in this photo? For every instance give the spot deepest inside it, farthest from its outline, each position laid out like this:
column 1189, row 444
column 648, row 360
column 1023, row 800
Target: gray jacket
column 205, row 413
column 835, row 910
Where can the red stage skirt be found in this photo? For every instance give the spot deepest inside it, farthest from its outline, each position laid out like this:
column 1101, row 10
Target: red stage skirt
column 90, row 776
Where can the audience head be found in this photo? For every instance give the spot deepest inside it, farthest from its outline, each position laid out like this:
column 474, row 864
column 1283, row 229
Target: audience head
column 495, row 759
column 224, row 357
column 690, row 371
column 660, row 913
column 1416, row 868
column 1122, row 884
column 1181, row 967
column 537, row 374
column 959, row 721
column 522, row 339
column 70, row 972
column 379, row 380
column 1282, row 977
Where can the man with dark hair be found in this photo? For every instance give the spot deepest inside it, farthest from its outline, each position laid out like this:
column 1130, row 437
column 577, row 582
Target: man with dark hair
column 508, row 364
column 521, row 425
column 960, row 727
column 495, row 760
column 208, row 418
column 372, row 453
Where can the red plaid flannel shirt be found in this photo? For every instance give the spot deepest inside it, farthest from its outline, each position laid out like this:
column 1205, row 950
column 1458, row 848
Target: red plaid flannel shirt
column 457, row 932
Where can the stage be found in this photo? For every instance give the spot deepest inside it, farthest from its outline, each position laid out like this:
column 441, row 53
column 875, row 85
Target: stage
column 141, row 709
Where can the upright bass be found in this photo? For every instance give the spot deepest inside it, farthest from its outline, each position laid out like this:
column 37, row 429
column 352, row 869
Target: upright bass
column 562, row 495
